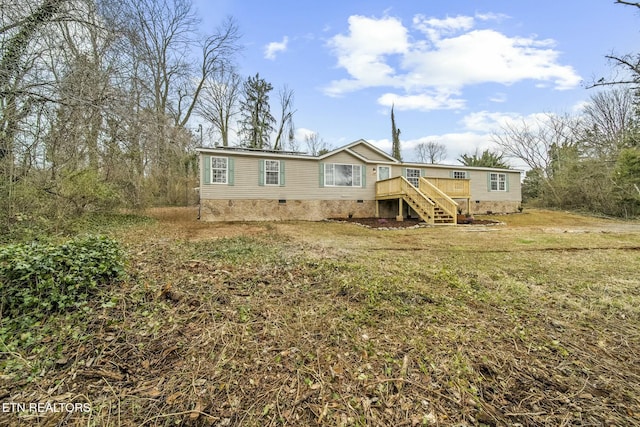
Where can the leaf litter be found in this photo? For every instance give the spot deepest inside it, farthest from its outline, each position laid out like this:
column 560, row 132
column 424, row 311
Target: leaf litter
column 266, row 328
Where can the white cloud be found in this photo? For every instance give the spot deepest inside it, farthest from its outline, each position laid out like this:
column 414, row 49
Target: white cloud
column 485, row 121
column 364, row 52
column 435, row 100
column 274, row 48
column 302, row 133
column 490, row 122
column 432, row 64
column 434, row 28
column 456, row 144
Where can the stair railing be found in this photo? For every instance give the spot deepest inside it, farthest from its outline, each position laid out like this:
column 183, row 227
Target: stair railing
column 423, row 205
column 446, row 203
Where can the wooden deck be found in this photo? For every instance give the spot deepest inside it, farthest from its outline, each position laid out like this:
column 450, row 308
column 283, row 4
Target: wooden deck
column 432, row 199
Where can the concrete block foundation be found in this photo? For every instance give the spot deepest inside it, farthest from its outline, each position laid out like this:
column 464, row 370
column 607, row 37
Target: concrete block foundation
column 318, row 210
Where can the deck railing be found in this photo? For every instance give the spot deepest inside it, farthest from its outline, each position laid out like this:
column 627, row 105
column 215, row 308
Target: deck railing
column 388, row 187
column 452, row 187
column 400, row 187
column 439, row 197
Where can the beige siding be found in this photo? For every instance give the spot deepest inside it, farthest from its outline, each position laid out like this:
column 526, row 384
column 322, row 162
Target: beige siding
column 479, row 181
column 342, row 157
column 480, row 188
column 302, row 181
column 368, row 153
column 302, row 178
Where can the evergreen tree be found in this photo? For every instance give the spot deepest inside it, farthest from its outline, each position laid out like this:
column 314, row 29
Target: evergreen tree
column 257, row 122
column 395, row 138
column 487, row 159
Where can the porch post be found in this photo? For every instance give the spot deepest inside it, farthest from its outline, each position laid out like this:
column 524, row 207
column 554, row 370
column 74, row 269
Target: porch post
column 400, row 217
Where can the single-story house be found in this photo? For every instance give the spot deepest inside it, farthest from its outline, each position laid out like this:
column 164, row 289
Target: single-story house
column 358, row 180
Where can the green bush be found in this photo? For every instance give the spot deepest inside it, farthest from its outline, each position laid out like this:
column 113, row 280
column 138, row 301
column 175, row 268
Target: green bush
column 42, row 278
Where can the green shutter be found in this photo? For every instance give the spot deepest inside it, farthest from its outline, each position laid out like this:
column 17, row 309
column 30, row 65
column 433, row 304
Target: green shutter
column 261, row 173
column 404, row 172
column 363, row 170
column 206, row 169
column 230, row 171
column 451, row 174
column 281, row 173
column 321, row 175
column 488, row 181
column 506, row 182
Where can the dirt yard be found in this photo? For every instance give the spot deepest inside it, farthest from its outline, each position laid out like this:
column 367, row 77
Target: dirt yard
column 532, row 322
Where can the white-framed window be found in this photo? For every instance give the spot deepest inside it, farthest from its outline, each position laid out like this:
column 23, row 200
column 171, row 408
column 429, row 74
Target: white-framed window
column 341, row 175
column 497, row 181
column 459, row 175
column 413, row 176
column 384, row 172
column 219, row 170
column 272, row 172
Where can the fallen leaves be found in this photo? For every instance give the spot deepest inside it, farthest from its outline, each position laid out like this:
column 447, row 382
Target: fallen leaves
column 307, row 326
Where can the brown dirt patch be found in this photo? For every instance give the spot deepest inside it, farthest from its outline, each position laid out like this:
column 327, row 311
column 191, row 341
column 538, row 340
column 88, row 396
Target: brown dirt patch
column 407, row 223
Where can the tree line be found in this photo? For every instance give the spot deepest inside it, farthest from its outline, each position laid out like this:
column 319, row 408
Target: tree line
column 588, row 161
column 103, row 101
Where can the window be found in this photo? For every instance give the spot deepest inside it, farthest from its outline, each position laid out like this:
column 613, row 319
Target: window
column 498, row 181
column 272, row 172
column 219, row 170
column 338, row 175
column 459, row 175
column 413, row 176
column 384, row 172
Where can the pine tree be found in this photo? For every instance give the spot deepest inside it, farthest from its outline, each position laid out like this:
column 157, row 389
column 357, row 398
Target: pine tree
column 257, row 123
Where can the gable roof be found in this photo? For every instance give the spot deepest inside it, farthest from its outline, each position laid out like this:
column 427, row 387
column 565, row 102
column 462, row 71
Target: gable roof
column 349, row 148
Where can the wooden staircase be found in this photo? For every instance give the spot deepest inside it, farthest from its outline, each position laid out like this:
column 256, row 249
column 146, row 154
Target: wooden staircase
column 441, row 217
column 428, row 201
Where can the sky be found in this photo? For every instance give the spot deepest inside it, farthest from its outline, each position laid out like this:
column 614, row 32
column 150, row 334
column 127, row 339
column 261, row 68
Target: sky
column 455, row 71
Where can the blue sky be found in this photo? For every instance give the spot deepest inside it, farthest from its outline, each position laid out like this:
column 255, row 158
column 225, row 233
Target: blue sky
column 455, row 70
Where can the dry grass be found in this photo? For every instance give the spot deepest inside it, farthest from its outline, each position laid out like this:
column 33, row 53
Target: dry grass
column 533, row 323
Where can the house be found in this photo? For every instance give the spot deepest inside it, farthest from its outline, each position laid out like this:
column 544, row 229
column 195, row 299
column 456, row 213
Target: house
column 357, row 180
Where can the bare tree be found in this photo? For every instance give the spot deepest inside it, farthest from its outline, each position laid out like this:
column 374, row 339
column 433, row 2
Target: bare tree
column 431, row 152
column 315, row 144
column 20, row 57
column 549, row 145
column 609, row 121
column 532, row 141
column 162, row 37
column 628, row 63
column 285, row 124
column 219, row 101
column 96, row 96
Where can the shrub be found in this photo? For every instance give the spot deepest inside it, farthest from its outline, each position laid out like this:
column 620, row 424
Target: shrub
column 41, row 278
